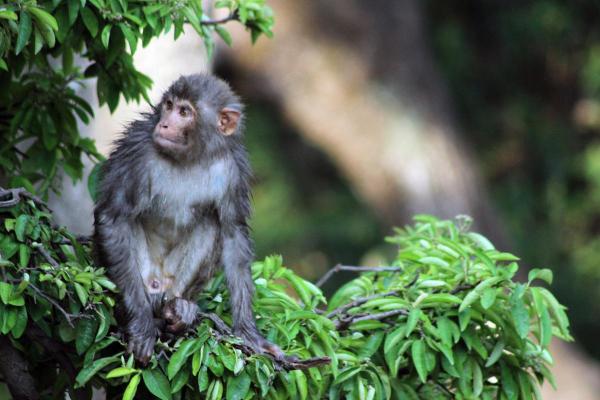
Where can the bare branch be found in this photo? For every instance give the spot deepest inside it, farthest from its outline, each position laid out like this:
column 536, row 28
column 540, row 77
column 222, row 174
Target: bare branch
column 40, row 249
column 342, row 324
column 231, row 17
column 353, row 268
column 460, row 288
column 68, row 316
column 16, row 195
column 359, row 301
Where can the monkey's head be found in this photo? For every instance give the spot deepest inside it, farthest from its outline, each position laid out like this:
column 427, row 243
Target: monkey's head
column 197, row 112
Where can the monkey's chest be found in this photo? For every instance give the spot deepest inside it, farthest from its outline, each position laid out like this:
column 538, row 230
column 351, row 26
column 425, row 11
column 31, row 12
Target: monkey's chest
column 179, row 198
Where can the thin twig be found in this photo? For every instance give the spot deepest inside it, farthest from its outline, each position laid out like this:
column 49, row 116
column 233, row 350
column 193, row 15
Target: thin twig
column 68, row 316
column 359, row 301
column 40, row 248
column 353, row 268
column 342, row 324
column 79, row 238
column 231, row 17
column 460, row 288
column 287, row 363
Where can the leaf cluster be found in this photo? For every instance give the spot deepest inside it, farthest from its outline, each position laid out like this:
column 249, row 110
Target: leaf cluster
column 49, row 47
column 448, row 322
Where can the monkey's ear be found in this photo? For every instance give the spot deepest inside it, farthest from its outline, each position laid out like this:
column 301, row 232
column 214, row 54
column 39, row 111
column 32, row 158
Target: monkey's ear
column 229, row 118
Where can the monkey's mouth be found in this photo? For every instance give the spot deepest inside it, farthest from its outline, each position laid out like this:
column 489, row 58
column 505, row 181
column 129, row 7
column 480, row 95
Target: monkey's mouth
column 178, row 142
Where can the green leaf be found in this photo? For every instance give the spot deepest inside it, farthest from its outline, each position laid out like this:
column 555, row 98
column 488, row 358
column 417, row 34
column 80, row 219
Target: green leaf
column 157, row 383
column 496, row 354
column 5, row 292
column 105, row 36
column 8, row 14
column 238, row 386
column 224, row 34
column 90, row 21
column 20, row 227
column 519, row 314
column 131, row 388
column 488, row 297
column 43, row 17
column 48, row 35
column 481, row 241
column 413, row 318
column 20, row 324
column 130, row 36
column 24, row 31
column 509, row 386
column 120, row 371
column 81, row 293
column 543, row 274
column 215, row 390
column 418, row 358
column 86, row 333
column 371, row 345
column 476, row 293
column 180, row 357
column 88, row 372
column 73, row 6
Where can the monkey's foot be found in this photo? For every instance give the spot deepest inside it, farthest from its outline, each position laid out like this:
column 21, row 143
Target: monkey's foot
column 141, row 345
column 179, row 315
column 262, row 346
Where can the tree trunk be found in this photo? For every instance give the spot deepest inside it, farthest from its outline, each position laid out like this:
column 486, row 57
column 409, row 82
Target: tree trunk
column 357, row 79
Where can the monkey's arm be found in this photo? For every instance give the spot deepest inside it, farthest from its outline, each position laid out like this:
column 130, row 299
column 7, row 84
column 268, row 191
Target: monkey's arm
column 236, row 258
column 122, row 250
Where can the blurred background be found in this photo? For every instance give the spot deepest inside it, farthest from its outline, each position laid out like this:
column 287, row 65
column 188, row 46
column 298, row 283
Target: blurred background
column 361, row 114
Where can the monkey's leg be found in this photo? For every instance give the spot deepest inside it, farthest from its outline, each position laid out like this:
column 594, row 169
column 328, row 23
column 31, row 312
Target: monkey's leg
column 236, row 258
column 189, row 266
column 123, row 247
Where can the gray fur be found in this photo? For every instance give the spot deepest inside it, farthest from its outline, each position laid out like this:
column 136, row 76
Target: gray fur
column 174, row 217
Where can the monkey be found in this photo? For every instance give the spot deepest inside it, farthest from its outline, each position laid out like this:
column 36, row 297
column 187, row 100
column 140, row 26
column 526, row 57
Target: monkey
column 173, row 205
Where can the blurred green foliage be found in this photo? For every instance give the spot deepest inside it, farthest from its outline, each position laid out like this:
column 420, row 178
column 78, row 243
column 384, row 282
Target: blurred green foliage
column 323, row 222
column 525, row 79
column 447, row 323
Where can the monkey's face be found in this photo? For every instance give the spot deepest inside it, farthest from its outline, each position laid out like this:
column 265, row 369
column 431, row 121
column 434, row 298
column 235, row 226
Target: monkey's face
column 174, row 131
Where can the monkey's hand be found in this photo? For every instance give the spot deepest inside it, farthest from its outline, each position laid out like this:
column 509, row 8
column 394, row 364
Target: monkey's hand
column 179, row 315
column 141, row 338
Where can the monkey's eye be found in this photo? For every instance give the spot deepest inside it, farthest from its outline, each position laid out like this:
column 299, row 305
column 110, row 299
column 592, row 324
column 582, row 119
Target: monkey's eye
column 183, row 111
column 169, row 104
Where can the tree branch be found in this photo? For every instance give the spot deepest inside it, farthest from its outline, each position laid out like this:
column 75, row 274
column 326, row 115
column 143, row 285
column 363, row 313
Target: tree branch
column 57, row 351
column 68, row 316
column 343, row 323
column 40, row 249
column 359, row 301
column 340, row 267
column 231, row 17
column 16, row 195
column 15, row 371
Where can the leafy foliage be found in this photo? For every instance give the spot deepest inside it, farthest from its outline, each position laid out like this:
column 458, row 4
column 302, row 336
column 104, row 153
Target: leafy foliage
column 534, row 121
column 39, row 43
column 448, row 323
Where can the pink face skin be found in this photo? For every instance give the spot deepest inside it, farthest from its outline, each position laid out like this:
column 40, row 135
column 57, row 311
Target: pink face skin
column 177, row 119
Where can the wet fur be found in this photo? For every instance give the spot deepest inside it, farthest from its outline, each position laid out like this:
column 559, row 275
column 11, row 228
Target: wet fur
column 184, row 215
